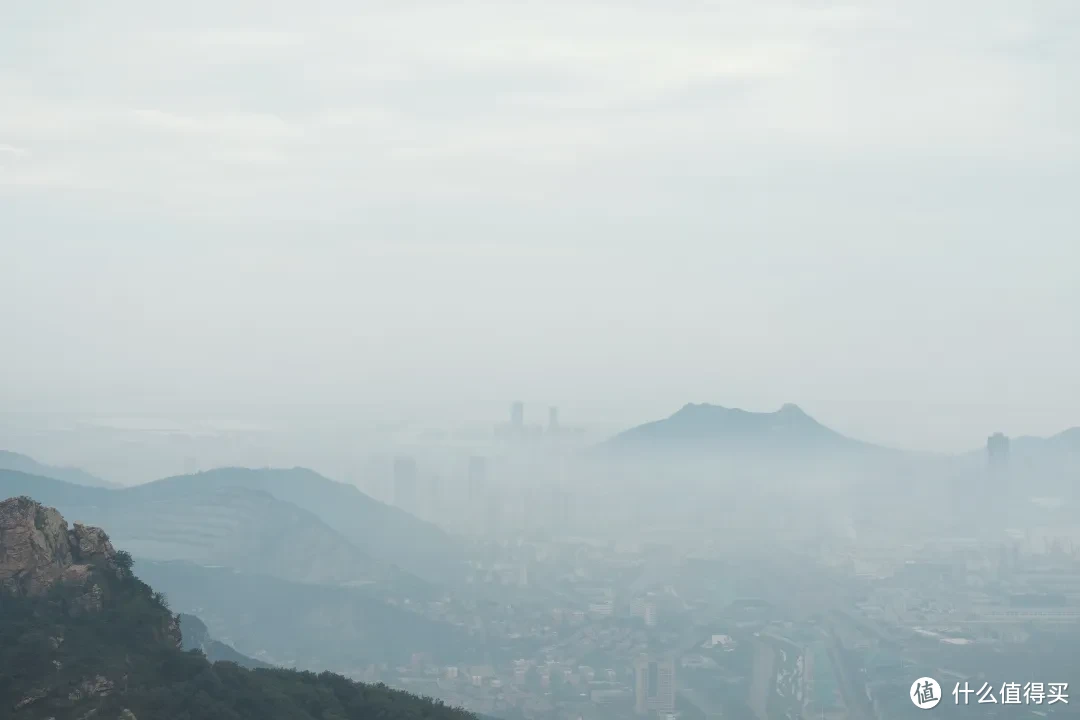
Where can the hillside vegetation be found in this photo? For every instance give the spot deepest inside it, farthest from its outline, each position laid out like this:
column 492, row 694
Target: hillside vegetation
column 99, row 643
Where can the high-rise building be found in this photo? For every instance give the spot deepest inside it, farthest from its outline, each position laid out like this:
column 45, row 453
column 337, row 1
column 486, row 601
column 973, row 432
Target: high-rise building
column 654, row 685
column 405, row 481
column 517, row 415
column 553, row 419
column 997, row 451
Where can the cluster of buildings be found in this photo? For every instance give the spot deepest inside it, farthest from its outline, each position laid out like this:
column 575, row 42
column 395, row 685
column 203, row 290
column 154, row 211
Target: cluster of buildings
column 600, row 632
column 519, row 485
column 565, row 639
column 573, row 691
column 553, row 684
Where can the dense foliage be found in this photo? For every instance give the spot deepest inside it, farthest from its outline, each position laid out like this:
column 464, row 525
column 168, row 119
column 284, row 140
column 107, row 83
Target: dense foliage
column 59, row 660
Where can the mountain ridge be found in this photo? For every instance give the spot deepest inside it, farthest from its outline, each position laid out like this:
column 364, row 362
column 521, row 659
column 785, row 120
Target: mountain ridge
column 196, row 636
column 1067, row 439
column 24, row 463
column 416, row 546
column 290, row 624
column 697, row 422
column 247, row 528
column 707, row 427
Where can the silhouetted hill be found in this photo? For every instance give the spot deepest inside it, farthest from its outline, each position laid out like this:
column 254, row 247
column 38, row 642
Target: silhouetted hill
column 85, row 638
column 26, row 464
column 1066, row 442
column 385, row 532
column 48, row 491
column 196, row 636
column 1041, row 465
column 215, row 524
column 708, row 428
column 303, row 626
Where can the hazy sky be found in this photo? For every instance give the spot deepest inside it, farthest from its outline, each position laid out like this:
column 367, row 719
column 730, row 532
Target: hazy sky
column 867, row 208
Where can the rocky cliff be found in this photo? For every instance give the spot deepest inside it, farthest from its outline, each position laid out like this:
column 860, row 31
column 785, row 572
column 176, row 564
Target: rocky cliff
column 51, row 576
column 83, row 638
column 37, row 549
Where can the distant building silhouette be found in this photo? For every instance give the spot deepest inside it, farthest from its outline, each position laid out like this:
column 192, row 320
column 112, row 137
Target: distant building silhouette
column 516, row 435
column 654, row 685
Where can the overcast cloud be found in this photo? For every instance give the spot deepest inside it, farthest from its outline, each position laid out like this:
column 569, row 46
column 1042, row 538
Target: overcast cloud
column 867, row 208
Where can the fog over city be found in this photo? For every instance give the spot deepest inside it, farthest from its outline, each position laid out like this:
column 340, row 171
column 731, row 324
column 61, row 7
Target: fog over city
column 558, row 361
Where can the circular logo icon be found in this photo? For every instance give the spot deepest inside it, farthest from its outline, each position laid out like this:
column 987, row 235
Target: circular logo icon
column 925, row 693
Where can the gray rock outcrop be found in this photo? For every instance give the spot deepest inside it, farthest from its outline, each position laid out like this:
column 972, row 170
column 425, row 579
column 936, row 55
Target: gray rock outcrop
column 37, row 549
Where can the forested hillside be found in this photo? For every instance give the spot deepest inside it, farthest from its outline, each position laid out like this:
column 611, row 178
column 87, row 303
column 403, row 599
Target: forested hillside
column 81, row 636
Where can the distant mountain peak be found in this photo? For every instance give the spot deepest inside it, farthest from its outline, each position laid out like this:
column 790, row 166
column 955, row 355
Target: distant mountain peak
column 706, row 412
column 690, row 408
column 713, row 428
column 785, row 409
column 791, row 409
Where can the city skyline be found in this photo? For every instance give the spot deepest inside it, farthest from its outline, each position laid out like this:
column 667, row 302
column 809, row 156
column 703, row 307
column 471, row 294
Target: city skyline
column 563, row 360
column 537, row 416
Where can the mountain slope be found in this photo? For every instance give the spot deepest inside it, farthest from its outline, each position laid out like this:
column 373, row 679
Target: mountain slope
column 711, row 428
column 384, row 531
column 304, row 626
column 92, row 640
column 30, row 466
column 1065, row 442
column 245, row 529
column 1068, row 439
column 196, row 636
